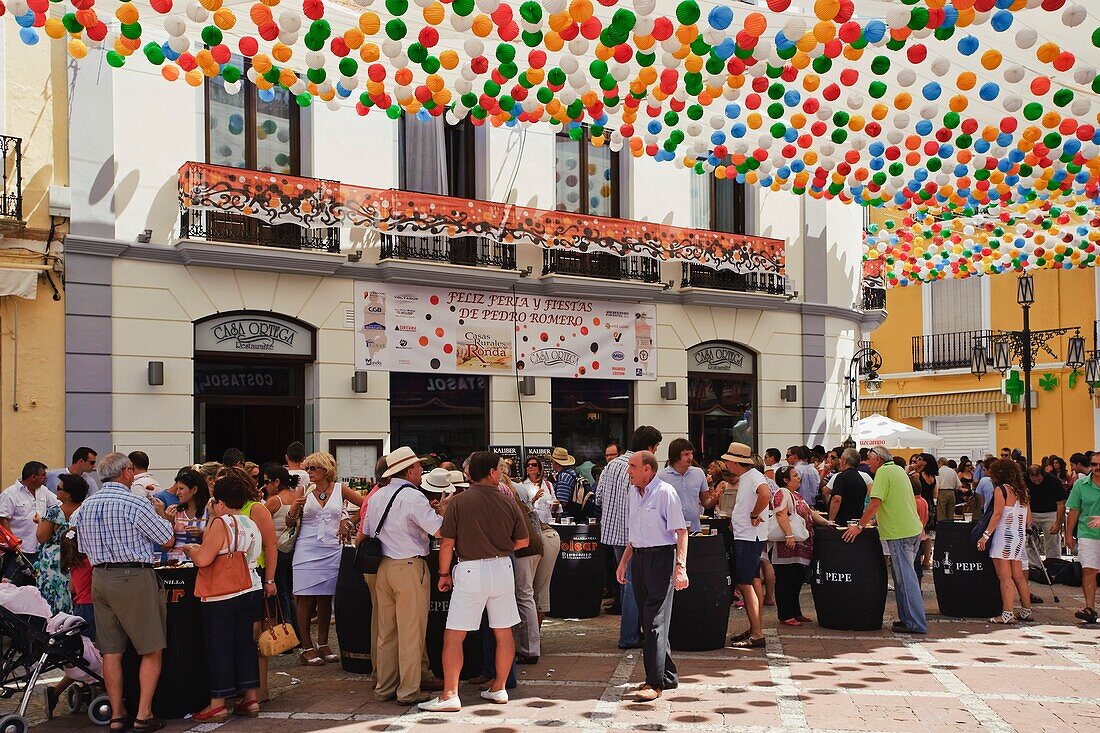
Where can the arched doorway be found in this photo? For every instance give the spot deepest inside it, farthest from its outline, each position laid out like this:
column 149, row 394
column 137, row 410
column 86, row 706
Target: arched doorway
column 250, row 383
column 721, row 397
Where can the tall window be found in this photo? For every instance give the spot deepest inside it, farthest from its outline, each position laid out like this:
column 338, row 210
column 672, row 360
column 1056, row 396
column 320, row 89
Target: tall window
column 437, row 157
column 718, row 204
column 955, row 305
column 251, row 129
column 586, row 177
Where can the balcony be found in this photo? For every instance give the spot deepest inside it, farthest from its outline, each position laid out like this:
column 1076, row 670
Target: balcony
column 874, row 299
column 11, row 203
column 600, row 265
column 698, row 276
column 946, row 350
column 217, row 226
column 469, row 251
column 236, row 205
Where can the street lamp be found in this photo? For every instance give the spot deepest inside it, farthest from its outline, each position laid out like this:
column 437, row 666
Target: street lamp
column 1002, row 356
column 1075, row 351
column 869, row 360
column 1025, row 290
column 979, row 367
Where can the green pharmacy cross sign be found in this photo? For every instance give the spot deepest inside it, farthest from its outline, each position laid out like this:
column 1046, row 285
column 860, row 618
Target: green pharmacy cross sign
column 1013, row 386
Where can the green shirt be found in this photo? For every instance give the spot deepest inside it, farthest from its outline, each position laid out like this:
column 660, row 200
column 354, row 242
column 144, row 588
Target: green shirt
column 897, row 517
column 1085, row 498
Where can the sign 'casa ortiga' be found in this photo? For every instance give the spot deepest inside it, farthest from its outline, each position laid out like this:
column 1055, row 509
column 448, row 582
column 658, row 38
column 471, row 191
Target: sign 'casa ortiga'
column 250, row 333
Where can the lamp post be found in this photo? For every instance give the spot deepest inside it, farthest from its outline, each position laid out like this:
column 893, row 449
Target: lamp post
column 869, row 360
column 1023, row 346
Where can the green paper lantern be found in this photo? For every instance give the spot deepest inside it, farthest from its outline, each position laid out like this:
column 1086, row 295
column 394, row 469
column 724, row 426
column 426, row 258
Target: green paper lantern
column 72, row 25
column 877, row 89
column 313, row 43
column 918, row 19
column 397, row 7
column 671, row 118
column 608, row 83
column 544, row 96
column 320, row 28
column 131, row 31
column 115, row 59
column 687, row 12
column 506, row 53
column 508, row 70
column 430, row 65
column 555, row 77
column 530, row 11
column 348, row 66
column 822, row 64
column 775, row 110
column 577, row 133
column 463, row 7
column 1096, row 36
column 211, row 35
column 394, row 112
column 491, row 88
column 396, row 29
column 624, row 20
column 317, row 76
column 951, row 120
column 416, row 52
column 715, row 65
column 1033, row 111
column 880, row 65
column 700, row 47
column 694, row 112
column 598, row 69
column 531, row 39
column 155, row 54
column 1062, row 97
column 230, row 73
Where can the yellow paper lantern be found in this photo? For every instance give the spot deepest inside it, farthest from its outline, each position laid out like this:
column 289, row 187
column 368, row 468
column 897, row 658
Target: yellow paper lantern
column 224, row 18
column 434, row 13
column 369, row 23
column 78, row 50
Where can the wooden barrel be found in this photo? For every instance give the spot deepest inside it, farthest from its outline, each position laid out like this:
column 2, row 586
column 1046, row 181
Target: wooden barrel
column 438, row 605
column 353, row 608
column 848, row 580
column 576, row 587
column 966, row 582
column 701, row 612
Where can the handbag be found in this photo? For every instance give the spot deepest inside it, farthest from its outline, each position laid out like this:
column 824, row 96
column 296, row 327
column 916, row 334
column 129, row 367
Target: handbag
column 277, row 636
column 798, row 524
column 228, row 574
column 368, row 555
column 534, row 533
column 981, row 527
column 288, row 538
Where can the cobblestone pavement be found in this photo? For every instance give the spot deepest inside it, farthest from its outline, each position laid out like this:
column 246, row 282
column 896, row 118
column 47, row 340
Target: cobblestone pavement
column 964, row 675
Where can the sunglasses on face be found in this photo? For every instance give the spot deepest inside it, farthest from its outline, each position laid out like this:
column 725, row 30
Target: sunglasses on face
column 1095, row 465
column 313, row 468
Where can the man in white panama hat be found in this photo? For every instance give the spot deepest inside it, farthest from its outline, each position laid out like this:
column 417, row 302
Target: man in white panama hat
column 749, row 525
column 403, row 520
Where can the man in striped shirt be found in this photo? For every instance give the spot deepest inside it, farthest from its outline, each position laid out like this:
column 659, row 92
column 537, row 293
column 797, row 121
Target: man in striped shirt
column 118, row 531
column 613, row 495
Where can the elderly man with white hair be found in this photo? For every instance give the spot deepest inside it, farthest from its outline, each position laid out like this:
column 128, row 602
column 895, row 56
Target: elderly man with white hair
column 118, row 531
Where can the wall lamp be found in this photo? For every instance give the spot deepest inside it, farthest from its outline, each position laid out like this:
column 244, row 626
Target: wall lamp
column 156, row 373
column 668, row 391
column 359, row 382
column 527, row 386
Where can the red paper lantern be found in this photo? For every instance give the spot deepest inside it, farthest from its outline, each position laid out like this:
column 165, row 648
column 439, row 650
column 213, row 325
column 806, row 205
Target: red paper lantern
column 248, row 46
column 313, row 9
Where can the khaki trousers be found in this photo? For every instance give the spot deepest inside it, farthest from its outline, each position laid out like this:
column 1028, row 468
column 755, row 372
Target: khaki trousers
column 402, row 612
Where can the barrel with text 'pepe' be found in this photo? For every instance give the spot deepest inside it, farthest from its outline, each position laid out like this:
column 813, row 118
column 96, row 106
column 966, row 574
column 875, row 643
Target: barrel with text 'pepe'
column 721, row 526
column 438, row 605
column 701, row 612
column 848, row 580
column 353, row 609
column 966, row 582
column 576, row 587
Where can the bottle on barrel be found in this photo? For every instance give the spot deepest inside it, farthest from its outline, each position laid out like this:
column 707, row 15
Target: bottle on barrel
column 947, row 563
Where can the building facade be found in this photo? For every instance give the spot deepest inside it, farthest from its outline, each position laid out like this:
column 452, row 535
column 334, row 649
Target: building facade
column 926, row 346
column 161, row 297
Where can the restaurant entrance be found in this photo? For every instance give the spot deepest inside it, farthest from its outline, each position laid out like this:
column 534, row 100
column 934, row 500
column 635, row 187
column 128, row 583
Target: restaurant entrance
column 721, row 398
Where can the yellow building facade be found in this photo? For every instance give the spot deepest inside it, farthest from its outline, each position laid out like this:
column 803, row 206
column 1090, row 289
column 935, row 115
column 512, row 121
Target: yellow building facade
column 32, row 308
column 926, row 344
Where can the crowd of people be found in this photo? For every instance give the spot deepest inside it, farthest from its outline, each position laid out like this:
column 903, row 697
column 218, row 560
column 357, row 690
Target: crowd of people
column 268, row 541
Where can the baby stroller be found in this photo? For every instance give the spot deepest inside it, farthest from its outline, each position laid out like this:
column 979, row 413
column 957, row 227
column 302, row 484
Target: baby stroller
column 14, row 565
column 31, row 646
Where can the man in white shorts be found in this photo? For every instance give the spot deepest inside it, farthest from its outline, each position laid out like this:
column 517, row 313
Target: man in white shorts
column 1083, row 507
column 484, row 526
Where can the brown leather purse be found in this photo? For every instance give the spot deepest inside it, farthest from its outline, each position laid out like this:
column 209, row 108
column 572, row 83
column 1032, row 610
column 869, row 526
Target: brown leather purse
column 228, row 573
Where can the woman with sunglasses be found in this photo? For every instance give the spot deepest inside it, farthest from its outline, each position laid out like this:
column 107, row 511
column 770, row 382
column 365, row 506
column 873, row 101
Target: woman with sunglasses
column 538, row 493
column 279, row 486
column 319, row 513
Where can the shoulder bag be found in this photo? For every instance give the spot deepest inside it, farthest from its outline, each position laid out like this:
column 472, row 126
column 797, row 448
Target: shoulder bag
column 228, row 573
column 534, row 532
column 798, row 524
column 289, row 536
column 277, row 636
column 982, row 526
column 368, row 555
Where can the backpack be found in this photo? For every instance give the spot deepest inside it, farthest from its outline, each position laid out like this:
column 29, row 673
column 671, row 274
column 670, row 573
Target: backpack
column 583, row 503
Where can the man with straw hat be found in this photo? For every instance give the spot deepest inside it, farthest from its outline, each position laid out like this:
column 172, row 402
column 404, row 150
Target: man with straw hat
column 403, row 520
column 565, row 477
column 749, row 524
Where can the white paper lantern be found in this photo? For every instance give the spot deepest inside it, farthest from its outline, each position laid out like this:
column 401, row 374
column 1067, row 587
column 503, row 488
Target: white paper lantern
column 179, row 44
column 1014, row 73
column 1074, row 15
column 197, row 13
column 1026, row 38
column 175, row 26
column 906, row 77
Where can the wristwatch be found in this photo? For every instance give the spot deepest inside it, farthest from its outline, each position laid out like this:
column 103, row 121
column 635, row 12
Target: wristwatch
column 680, row 564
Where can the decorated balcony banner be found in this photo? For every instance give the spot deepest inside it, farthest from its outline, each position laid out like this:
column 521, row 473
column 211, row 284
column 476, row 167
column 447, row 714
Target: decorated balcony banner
column 314, row 203
column 403, row 328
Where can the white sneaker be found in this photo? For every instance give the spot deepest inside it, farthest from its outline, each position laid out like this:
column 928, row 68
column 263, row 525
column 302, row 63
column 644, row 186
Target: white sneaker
column 499, row 697
column 439, row 705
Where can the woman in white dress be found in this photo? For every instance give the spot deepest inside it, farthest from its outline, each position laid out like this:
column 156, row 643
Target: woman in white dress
column 1006, row 537
column 320, row 515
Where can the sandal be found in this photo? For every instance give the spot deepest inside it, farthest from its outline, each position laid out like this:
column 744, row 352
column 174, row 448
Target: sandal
column 749, row 644
column 216, row 715
column 740, row 637
column 327, row 654
column 150, row 724
column 123, row 722
column 1025, row 614
column 1005, row 619
column 249, row 708
column 309, row 658
column 1088, row 615
column 790, row 622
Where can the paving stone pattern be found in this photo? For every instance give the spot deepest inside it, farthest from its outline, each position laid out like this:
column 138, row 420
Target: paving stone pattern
column 1042, row 677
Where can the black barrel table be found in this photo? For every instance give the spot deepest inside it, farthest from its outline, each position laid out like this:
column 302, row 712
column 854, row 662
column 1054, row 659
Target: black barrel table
column 184, row 686
column 353, row 608
column 576, row 587
column 721, row 526
column 848, row 580
column 438, row 605
column 701, row 612
column 966, row 582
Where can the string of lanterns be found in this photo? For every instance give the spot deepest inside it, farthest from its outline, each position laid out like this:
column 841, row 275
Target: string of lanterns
column 995, row 164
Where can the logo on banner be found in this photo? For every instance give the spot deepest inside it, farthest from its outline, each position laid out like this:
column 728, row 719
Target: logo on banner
column 253, row 335
column 618, row 355
column 478, row 351
column 554, row 357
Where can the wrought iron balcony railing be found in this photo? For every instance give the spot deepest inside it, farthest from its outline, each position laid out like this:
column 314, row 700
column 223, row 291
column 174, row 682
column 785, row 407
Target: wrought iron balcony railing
column 874, row 299
column 946, row 350
column 600, row 265
column 11, row 205
column 697, row 276
column 219, row 226
column 471, row 250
